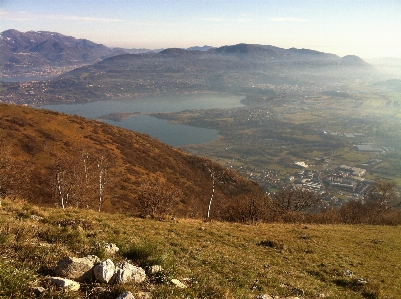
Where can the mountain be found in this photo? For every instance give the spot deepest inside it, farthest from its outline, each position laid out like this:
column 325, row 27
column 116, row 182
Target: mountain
column 233, row 69
column 42, row 53
column 353, row 60
column 44, row 153
column 199, row 48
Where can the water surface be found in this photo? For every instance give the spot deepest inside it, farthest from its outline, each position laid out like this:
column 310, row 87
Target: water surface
column 163, row 130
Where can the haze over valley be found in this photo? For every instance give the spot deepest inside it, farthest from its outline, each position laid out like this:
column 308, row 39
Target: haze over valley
column 297, row 117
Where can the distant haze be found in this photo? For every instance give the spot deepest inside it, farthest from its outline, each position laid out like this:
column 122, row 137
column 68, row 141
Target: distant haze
column 369, row 29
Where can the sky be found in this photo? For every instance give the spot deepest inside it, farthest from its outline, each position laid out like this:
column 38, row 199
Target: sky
column 366, row 28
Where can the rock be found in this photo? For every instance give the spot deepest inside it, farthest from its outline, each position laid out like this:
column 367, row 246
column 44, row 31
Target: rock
column 126, row 295
column 348, row 273
column 178, row 283
column 79, row 269
column 125, row 272
column 104, row 271
column 109, row 248
column 264, row 296
column 361, row 281
column 154, row 269
column 66, row 284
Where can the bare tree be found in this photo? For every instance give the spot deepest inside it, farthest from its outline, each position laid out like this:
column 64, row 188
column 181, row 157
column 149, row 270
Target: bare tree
column 68, row 180
column 379, row 198
column 14, row 175
column 158, row 198
column 295, row 200
column 248, row 208
column 102, row 174
column 212, row 195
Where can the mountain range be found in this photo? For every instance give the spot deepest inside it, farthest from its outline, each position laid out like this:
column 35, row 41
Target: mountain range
column 241, row 68
column 41, row 54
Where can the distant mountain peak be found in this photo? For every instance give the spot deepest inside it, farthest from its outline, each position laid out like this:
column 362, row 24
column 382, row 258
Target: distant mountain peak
column 178, row 51
column 354, row 61
column 46, row 53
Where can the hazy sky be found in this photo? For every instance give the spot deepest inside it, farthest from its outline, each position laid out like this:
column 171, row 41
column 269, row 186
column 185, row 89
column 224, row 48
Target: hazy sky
column 367, row 28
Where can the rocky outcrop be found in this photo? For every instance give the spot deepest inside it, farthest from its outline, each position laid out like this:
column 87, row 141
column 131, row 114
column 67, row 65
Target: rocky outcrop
column 89, row 269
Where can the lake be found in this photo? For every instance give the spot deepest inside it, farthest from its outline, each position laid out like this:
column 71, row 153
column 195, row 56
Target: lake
column 163, row 130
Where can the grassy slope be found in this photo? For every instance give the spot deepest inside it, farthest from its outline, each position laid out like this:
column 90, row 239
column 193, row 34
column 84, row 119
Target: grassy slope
column 37, row 137
column 222, row 260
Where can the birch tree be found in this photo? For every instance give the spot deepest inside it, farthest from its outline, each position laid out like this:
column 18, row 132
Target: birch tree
column 62, row 183
column 102, row 168
column 218, row 175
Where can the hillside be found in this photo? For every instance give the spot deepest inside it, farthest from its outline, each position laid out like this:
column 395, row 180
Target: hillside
column 42, row 53
column 53, row 155
column 214, row 260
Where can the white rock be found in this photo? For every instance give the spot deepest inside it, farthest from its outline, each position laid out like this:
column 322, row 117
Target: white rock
column 66, row 284
column 178, row 283
column 125, row 272
column 104, row 271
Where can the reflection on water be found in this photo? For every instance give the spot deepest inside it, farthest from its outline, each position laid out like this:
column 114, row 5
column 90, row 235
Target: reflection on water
column 173, row 134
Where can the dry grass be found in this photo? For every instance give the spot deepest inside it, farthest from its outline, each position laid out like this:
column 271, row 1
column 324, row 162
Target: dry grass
column 215, row 259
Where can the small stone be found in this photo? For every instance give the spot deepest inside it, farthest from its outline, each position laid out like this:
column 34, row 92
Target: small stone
column 348, row 273
column 66, row 284
column 178, row 283
column 154, row 269
column 126, row 295
column 361, row 281
column 264, row 296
